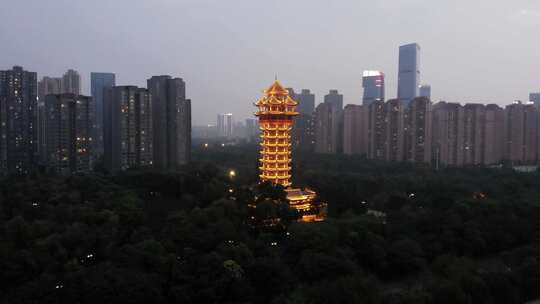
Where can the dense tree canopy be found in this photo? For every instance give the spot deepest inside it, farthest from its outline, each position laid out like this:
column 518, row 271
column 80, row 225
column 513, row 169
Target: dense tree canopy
column 397, row 233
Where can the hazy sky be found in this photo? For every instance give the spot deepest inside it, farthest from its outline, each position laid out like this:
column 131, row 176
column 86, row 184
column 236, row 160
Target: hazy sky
column 228, row 51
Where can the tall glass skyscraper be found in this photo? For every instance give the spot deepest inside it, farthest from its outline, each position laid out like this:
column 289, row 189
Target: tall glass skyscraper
column 409, row 72
column 373, row 84
column 99, row 82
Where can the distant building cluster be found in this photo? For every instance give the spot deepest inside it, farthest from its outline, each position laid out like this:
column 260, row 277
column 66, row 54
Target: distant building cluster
column 444, row 134
column 48, row 125
column 412, row 128
column 227, row 129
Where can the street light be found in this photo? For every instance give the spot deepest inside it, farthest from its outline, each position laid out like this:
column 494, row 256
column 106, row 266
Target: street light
column 232, row 173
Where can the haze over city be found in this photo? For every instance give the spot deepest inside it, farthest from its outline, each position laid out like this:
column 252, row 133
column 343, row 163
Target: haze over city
column 227, row 51
column 270, row 152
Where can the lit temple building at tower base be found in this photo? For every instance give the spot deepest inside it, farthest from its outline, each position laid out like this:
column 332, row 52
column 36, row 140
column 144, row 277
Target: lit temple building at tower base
column 304, row 201
column 276, row 110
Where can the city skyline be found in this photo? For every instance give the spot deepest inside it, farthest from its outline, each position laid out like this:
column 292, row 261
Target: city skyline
column 459, row 66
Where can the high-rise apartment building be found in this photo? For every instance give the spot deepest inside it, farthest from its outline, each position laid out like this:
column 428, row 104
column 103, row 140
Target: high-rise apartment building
column 171, row 116
column 377, row 130
column 473, row 133
column 306, row 102
column 373, row 84
column 18, row 121
column 303, row 132
column 493, row 135
column 335, row 100
column 417, row 131
column 535, row 99
column 128, row 128
column 98, row 83
column 395, row 125
column 47, row 85
column 355, row 129
column 71, row 82
column 409, row 72
column 521, row 133
column 325, row 135
column 447, row 135
column 425, row 91
column 225, row 125
column 68, row 133
column 329, row 124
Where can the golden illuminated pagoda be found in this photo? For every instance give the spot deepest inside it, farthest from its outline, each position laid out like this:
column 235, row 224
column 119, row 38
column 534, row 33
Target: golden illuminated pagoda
column 276, row 112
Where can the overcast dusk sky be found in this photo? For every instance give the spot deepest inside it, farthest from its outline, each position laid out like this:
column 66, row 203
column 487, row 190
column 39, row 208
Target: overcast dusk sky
column 228, row 51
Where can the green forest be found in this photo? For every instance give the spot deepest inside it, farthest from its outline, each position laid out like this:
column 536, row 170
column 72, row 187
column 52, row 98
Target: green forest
column 396, row 233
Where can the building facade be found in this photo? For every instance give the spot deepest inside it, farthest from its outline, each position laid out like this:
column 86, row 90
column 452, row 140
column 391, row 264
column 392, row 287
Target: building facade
column 373, row 84
column 303, row 130
column 395, row 126
column 417, row 132
column 98, row 83
column 47, row 85
column 473, row 134
column 377, row 130
column 171, row 120
column 425, row 91
column 535, row 99
column 493, row 135
column 128, row 128
column 521, row 133
column 335, row 100
column 225, row 125
column 68, row 133
column 306, row 102
column 448, row 128
column 355, row 130
column 323, row 129
column 18, row 121
column 71, row 82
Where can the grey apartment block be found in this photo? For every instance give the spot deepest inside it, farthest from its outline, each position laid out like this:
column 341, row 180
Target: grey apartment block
column 128, row 128
column 171, row 122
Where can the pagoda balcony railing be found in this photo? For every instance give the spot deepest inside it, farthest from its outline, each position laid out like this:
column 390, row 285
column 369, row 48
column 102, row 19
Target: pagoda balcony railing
column 274, row 142
column 266, row 176
column 275, row 161
column 278, row 112
column 276, row 128
column 284, row 136
column 265, row 168
column 287, row 153
column 282, row 145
